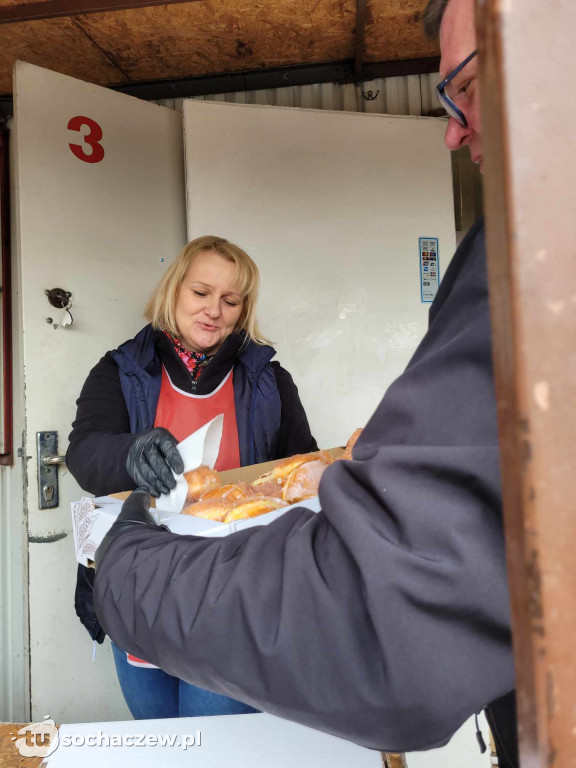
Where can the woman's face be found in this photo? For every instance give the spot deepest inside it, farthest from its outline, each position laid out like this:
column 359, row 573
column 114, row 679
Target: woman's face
column 209, row 303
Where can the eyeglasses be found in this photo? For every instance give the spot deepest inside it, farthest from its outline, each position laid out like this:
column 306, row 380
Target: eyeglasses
column 446, row 101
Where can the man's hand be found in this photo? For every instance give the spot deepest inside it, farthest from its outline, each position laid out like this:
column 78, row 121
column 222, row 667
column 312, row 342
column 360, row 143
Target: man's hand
column 135, row 512
column 152, row 460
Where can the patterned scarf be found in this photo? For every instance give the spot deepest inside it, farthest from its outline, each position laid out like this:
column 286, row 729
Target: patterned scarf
column 195, row 362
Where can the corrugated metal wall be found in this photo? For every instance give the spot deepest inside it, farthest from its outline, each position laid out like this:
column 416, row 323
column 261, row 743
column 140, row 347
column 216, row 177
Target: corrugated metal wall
column 410, row 95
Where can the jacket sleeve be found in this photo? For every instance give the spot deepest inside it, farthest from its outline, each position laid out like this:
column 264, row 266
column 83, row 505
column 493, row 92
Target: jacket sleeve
column 100, row 437
column 384, row 628
column 295, row 435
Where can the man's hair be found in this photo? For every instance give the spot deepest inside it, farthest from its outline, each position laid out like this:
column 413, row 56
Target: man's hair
column 433, row 18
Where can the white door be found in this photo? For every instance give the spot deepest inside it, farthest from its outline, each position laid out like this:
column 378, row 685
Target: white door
column 331, row 206
column 100, row 213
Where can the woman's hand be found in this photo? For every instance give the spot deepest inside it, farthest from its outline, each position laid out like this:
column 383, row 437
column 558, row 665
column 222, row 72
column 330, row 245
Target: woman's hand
column 152, row 460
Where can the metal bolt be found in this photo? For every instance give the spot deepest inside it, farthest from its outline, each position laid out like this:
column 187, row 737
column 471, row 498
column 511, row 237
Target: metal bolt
column 49, row 320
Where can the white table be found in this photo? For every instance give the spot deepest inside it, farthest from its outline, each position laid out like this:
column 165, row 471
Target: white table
column 253, row 741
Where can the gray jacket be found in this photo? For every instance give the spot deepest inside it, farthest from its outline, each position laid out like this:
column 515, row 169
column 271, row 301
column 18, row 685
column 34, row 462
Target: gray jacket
column 384, row 619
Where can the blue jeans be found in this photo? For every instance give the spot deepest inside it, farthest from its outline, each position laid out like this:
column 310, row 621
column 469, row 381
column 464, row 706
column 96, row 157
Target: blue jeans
column 152, row 693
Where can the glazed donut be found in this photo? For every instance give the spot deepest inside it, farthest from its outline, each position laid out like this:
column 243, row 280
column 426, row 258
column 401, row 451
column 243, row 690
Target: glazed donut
column 324, row 457
column 302, row 483
column 213, row 509
column 199, row 481
column 281, row 470
column 252, row 507
column 269, row 487
column 350, row 444
column 233, row 492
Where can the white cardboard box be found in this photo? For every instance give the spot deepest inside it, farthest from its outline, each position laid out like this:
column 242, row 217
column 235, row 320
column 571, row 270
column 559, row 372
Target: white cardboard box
column 90, row 526
column 89, row 534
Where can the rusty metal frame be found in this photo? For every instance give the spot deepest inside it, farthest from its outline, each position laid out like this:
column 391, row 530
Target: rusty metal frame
column 278, row 77
column 530, row 165
column 55, row 9
column 7, row 457
column 359, row 38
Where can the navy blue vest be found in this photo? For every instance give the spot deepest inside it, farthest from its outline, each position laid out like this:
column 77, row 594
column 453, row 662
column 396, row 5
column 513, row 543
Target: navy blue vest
column 256, row 396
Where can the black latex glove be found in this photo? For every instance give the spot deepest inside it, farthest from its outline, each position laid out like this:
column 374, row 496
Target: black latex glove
column 84, row 603
column 135, row 512
column 152, row 459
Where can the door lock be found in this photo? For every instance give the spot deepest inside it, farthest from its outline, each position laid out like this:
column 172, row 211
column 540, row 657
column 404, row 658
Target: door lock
column 61, row 300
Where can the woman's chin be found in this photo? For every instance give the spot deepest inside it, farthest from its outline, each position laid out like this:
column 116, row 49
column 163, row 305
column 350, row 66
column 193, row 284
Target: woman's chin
column 204, row 345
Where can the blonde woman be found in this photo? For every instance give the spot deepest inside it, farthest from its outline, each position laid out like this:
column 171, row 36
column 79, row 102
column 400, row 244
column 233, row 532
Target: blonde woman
column 201, row 354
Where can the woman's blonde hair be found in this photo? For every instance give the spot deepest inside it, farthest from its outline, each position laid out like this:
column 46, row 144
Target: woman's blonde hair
column 160, row 310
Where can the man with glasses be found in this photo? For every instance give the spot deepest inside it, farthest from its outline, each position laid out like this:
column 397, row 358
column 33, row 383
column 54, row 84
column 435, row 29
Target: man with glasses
column 453, row 22
column 385, row 617
column 458, row 92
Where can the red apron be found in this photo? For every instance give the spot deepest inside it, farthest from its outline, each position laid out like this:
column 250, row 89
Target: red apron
column 181, row 414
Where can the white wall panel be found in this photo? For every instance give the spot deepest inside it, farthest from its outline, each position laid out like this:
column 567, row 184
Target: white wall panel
column 330, row 206
column 410, row 95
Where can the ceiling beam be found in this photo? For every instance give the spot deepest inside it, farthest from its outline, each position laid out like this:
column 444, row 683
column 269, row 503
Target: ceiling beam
column 280, row 77
column 54, row 9
column 359, row 38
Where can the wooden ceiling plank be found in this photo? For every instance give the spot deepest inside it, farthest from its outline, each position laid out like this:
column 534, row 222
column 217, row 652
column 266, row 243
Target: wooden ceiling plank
column 225, row 36
column 104, row 53
column 54, row 9
column 394, row 31
column 49, row 44
column 191, row 39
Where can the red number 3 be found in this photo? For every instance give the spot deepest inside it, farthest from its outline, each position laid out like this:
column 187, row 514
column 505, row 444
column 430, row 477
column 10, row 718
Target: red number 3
column 92, row 139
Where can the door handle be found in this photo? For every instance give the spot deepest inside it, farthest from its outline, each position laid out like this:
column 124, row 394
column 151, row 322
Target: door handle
column 48, row 462
column 53, row 461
